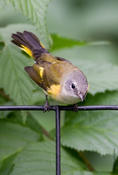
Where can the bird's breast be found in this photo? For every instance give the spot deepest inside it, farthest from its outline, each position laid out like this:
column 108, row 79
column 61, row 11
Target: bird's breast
column 56, row 93
column 54, row 90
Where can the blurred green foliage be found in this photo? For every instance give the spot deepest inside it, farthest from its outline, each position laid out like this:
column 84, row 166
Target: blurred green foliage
column 86, row 33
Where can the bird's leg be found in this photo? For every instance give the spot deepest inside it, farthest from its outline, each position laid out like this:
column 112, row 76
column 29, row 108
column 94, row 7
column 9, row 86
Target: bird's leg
column 75, row 107
column 46, row 105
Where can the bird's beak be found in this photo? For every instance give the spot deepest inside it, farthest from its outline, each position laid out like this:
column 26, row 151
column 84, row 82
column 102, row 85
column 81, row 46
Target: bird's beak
column 81, row 97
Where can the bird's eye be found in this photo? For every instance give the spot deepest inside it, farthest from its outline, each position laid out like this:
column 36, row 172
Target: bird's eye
column 73, row 86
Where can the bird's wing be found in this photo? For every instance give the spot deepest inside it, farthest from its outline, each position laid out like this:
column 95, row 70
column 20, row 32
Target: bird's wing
column 53, row 68
column 48, row 71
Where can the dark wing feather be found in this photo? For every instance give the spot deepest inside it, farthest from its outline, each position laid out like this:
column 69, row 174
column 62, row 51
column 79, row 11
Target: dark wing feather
column 34, row 76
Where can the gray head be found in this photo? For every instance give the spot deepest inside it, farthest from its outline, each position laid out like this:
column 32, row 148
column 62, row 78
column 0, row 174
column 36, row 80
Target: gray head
column 75, row 87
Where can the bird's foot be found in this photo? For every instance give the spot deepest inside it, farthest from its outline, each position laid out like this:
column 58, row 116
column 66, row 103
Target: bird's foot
column 46, row 106
column 75, row 107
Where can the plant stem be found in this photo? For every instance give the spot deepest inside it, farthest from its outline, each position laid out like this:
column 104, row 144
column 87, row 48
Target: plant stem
column 85, row 160
column 2, row 93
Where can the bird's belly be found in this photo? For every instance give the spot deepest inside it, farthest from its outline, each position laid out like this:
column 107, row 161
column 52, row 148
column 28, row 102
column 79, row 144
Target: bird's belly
column 66, row 99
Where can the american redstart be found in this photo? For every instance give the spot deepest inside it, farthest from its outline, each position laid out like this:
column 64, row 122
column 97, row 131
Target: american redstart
column 58, row 77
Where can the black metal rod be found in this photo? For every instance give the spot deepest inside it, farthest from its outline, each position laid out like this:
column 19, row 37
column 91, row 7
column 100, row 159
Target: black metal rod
column 58, row 152
column 69, row 108
column 90, row 108
column 24, row 108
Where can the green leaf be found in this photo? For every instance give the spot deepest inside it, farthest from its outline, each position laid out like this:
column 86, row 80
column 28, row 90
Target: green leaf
column 4, row 114
column 12, row 16
column 93, row 130
column 100, row 163
column 39, row 158
column 7, row 31
column 13, row 138
column 38, row 97
column 115, row 166
column 97, row 63
column 6, row 165
column 35, row 11
column 86, row 173
column 1, row 46
column 13, row 78
column 71, row 19
column 4, row 100
column 60, row 42
column 46, row 120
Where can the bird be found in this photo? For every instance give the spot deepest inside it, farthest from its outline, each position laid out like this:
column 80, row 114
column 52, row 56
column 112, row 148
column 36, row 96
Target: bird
column 58, row 77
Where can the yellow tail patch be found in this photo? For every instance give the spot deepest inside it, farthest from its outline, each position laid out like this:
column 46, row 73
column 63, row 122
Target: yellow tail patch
column 42, row 45
column 27, row 50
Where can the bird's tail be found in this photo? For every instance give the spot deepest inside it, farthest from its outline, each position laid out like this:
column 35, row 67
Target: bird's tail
column 29, row 43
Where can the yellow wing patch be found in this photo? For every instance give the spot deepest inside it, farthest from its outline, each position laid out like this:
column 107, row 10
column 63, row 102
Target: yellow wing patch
column 39, row 70
column 27, row 50
column 54, row 90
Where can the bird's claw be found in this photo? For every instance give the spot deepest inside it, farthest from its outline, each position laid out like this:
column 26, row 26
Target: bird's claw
column 75, row 107
column 46, row 107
